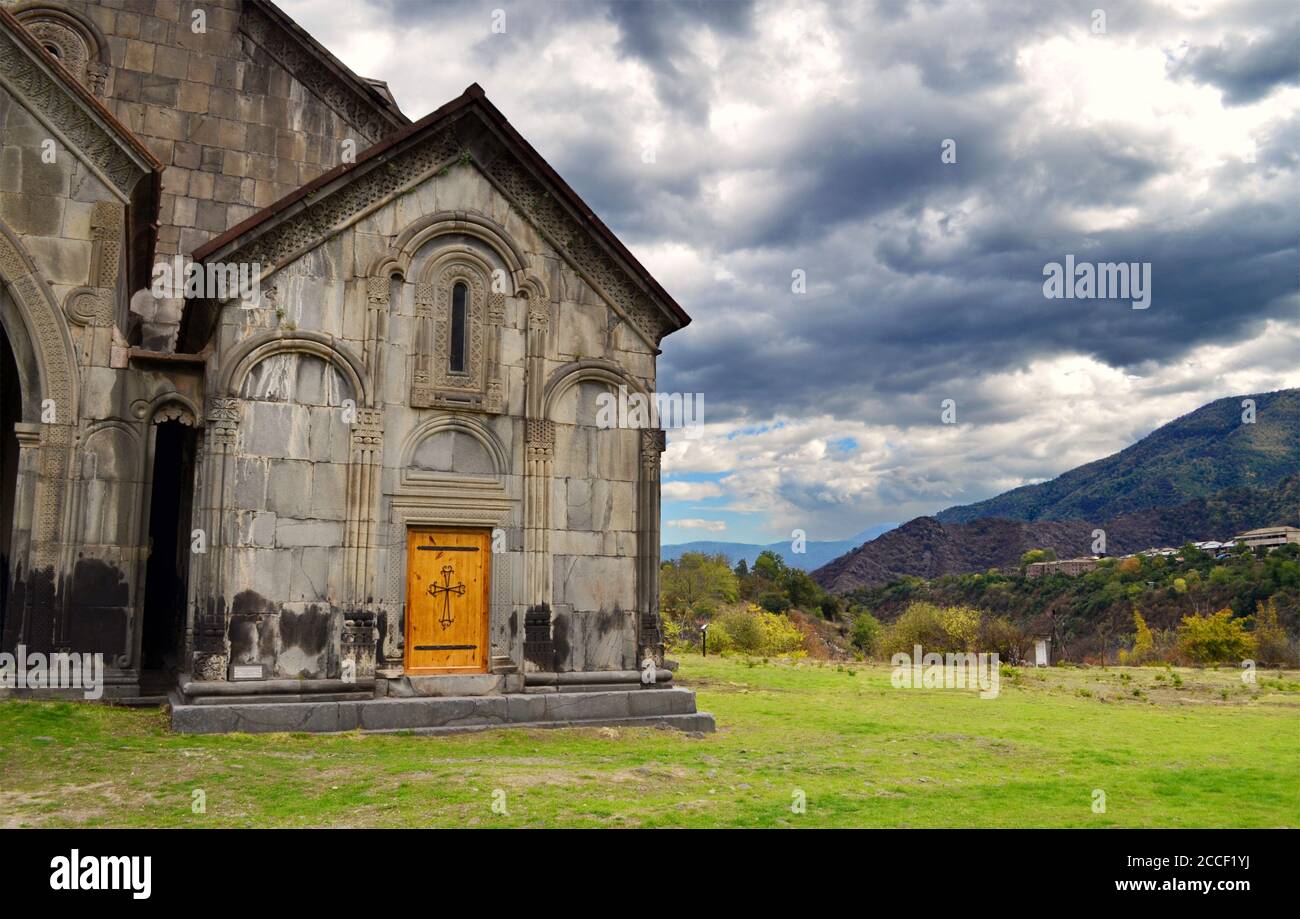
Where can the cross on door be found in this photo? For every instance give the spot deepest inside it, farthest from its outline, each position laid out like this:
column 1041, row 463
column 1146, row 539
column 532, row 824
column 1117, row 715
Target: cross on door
column 446, row 590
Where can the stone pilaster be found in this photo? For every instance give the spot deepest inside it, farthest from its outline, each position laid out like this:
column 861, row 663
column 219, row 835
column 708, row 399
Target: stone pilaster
column 360, row 538
column 378, row 290
column 650, row 630
column 539, row 458
column 210, row 658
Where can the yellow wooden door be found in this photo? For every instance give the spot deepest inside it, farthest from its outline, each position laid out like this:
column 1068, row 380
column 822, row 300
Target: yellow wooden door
column 448, row 573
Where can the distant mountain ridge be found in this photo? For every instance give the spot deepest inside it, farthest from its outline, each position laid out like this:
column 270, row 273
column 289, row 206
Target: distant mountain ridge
column 818, row 553
column 1201, row 453
column 1206, row 475
column 927, row 548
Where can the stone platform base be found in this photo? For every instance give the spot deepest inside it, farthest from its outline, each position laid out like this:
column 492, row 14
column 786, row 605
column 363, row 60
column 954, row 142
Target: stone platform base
column 633, row 707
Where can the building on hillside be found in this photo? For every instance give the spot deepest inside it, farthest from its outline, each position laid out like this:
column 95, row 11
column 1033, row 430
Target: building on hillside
column 1269, row 537
column 371, row 463
column 1069, row 566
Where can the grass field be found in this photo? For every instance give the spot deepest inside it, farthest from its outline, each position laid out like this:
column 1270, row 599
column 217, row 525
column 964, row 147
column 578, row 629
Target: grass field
column 1208, row 752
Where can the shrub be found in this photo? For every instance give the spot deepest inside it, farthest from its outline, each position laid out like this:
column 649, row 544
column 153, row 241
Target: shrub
column 778, row 635
column 774, row 601
column 962, row 626
column 1002, row 635
column 919, row 624
column 866, row 633
column 755, row 631
column 934, row 628
column 1217, row 638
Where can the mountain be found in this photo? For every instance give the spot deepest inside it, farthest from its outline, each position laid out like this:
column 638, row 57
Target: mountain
column 928, row 548
column 1200, row 454
column 818, row 553
column 1206, row 475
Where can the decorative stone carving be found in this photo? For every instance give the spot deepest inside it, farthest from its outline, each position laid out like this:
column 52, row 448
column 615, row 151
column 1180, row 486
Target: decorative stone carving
column 93, row 304
column 653, row 443
column 368, row 429
column 358, row 644
column 106, row 222
column 540, row 437
column 62, row 41
column 174, row 411
column 563, row 231
column 223, row 421
column 299, row 233
column 97, row 78
column 434, row 383
column 209, row 667
column 68, row 114
column 568, row 236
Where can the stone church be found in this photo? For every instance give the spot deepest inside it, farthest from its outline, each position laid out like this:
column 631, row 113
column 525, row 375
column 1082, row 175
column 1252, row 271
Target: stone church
column 366, row 490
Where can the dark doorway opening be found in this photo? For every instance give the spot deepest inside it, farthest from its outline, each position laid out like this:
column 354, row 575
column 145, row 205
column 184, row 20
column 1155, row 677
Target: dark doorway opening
column 167, row 572
column 11, row 397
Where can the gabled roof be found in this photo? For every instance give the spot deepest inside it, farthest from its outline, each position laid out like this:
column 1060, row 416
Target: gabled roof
column 49, row 83
column 369, row 109
column 121, row 158
column 469, row 124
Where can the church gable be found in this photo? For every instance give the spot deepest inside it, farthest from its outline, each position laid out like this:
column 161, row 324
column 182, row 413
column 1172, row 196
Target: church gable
column 69, row 110
column 467, row 131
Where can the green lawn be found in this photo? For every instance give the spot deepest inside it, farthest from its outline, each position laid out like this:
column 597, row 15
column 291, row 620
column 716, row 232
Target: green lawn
column 862, row 752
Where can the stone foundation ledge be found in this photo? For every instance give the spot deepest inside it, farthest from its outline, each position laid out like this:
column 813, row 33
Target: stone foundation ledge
column 673, row 708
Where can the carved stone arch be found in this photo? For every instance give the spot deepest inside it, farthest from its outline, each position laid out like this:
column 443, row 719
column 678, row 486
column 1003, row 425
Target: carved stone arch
column 483, row 435
column 531, row 286
column 172, row 406
column 569, row 375
column 39, row 332
column 387, row 267
column 248, row 353
column 73, row 39
column 467, row 223
column 125, row 453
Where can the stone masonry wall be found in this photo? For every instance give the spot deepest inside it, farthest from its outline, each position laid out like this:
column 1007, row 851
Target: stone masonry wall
column 235, row 129
column 285, row 506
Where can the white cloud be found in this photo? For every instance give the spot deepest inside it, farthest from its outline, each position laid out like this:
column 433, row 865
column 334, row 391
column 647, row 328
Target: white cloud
column 691, row 523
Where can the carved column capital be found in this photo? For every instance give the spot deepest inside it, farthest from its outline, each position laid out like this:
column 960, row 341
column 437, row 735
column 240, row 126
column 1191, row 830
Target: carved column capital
column 539, row 317
column 223, row 421
column 377, row 292
column 653, row 443
column 368, row 429
column 540, row 438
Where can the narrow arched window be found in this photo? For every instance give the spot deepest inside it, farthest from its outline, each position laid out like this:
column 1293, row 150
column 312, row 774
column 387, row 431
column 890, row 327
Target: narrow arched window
column 459, row 310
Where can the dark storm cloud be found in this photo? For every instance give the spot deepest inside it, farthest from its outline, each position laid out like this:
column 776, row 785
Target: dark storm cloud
column 923, row 276
column 1246, row 71
column 655, row 33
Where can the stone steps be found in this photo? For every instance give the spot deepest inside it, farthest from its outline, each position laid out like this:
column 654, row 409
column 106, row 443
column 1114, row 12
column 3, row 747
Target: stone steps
column 652, row 707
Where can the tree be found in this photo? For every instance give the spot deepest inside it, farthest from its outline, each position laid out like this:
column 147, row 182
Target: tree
column 802, row 590
column 1215, row 639
column 1037, row 555
column 866, row 632
column 742, row 569
column 1144, row 643
column 770, row 566
column 697, row 578
column 1270, row 638
column 1131, row 566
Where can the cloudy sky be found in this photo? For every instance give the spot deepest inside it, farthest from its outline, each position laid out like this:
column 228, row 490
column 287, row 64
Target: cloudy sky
column 805, row 140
